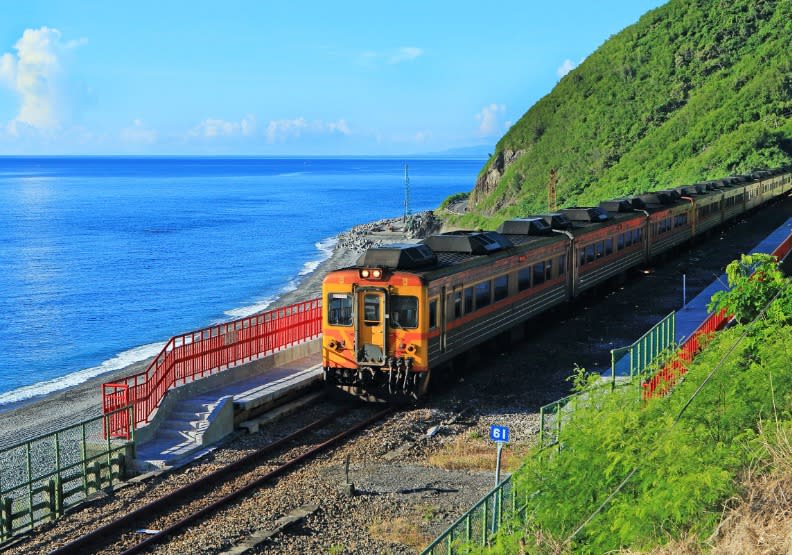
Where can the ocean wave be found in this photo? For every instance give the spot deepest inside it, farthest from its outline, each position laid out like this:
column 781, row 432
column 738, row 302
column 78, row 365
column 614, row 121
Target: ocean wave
column 325, row 247
column 119, row 361
column 250, row 309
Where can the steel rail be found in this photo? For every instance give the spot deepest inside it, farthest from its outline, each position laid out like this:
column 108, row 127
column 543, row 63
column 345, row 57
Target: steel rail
column 168, row 501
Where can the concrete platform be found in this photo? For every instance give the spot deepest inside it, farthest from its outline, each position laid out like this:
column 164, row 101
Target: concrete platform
column 689, row 317
column 694, row 312
column 193, row 426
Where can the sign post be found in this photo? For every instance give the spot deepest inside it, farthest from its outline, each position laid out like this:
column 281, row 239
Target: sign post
column 500, row 435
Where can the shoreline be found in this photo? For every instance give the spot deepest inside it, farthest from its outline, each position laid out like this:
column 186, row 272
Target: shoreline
column 48, row 412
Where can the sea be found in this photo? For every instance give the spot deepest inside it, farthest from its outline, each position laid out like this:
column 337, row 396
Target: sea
column 103, row 259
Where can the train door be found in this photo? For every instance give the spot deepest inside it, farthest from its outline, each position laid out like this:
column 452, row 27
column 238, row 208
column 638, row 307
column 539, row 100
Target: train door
column 371, row 310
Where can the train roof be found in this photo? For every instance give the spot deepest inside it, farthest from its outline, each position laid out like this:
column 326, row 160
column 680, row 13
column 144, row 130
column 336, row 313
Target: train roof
column 447, row 253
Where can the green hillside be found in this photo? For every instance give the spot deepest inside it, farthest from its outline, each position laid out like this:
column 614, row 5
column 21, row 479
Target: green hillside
column 694, row 90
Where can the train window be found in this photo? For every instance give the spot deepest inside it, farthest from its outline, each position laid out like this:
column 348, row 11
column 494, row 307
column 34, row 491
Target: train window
column 432, row 314
column 403, row 311
column 582, row 257
column 371, row 310
column 600, row 245
column 608, row 246
column 457, row 301
column 538, row 273
column 636, row 235
column 590, row 253
column 523, row 278
column 548, row 270
column 468, row 300
column 339, row 309
column 501, row 287
column 482, row 294
column 620, row 241
column 562, row 265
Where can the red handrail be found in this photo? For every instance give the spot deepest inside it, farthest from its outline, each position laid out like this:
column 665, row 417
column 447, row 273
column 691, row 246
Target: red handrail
column 197, row 354
column 662, row 382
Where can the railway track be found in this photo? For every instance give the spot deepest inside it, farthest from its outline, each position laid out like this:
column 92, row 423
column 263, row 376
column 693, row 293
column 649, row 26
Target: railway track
column 199, row 495
column 188, row 504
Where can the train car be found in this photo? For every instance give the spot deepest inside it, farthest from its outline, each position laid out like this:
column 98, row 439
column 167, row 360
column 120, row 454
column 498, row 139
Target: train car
column 605, row 243
column 406, row 309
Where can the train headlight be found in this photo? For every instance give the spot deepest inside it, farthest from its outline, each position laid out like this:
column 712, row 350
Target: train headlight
column 411, row 349
column 371, row 273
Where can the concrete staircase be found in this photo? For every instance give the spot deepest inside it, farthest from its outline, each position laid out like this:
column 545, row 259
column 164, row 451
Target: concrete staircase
column 190, row 427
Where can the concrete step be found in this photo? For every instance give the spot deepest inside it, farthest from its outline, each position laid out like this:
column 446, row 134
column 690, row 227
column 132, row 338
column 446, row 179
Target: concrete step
column 181, row 435
column 179, row 424
column 189, row 424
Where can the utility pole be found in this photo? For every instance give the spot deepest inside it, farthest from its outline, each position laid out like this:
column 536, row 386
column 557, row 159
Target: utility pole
column 407, row 211
column 551, row 191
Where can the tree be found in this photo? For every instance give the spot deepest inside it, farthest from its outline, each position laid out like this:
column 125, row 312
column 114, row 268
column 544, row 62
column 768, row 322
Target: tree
column 755, row 280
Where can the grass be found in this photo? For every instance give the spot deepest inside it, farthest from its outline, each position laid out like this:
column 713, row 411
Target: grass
column 405, row 530
column 474, row 453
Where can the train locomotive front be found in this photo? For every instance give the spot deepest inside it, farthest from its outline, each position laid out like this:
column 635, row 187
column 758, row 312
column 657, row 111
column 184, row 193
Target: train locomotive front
column 374, row 325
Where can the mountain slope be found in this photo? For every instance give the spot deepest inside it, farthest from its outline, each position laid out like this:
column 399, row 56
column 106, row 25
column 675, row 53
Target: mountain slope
column 693, row 90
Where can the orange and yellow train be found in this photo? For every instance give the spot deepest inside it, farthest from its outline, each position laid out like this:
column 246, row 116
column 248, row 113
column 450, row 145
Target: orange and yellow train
column 406, row 309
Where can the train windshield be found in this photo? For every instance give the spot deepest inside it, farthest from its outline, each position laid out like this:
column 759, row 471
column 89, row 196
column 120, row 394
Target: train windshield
column 339, row 309
column 403, row 311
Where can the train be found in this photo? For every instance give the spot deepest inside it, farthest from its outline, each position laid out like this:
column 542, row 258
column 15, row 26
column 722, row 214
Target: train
column 406, row 310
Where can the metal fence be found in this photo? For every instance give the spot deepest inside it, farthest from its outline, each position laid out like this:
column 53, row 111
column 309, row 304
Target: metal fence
column 644, row 357
column 505, row 504
column 195, row 355
column 42, row 477
column 639, row 357
column 477, row 526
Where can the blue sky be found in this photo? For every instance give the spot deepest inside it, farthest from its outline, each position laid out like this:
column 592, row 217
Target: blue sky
column 285, row 78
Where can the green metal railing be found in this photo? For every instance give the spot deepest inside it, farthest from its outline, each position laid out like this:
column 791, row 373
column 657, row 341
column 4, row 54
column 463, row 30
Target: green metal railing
column 638, row 360
column 642, row 354
column 477, row 526
column 42, row 477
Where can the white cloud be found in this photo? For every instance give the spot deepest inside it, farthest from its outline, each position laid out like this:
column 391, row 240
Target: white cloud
column 405, row 54
column 422, row 136
column 373, row 58
column 488, row 118
column 339, row 126
column 565, row 67
column 8, row 68
column 285, row 129
column 35, row 74
column 213, row 127
column 138, row 133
